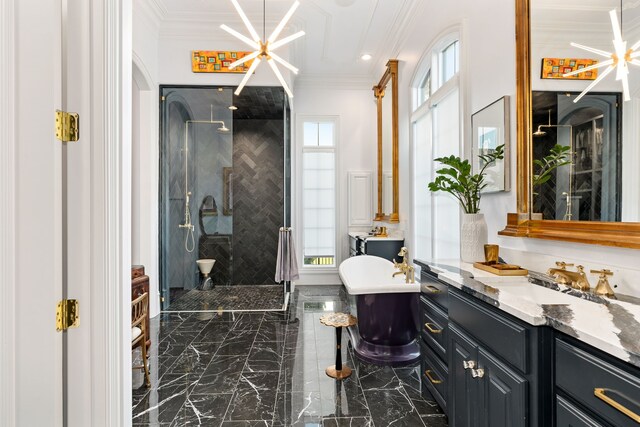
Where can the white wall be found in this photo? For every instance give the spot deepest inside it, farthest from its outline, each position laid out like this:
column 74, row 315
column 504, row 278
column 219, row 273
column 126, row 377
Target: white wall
column 356, row 150
column 488, row 73
column 145, row 154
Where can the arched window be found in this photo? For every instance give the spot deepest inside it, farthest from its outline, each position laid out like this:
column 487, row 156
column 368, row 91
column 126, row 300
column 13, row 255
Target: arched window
column 436, row 132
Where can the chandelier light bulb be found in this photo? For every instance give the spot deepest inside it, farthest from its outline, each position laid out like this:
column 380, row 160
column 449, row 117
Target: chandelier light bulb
column 618, row 60
column 263, row 50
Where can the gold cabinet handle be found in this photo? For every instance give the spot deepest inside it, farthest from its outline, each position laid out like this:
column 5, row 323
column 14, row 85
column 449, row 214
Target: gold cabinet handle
column 477, row 373
column 468, row 364
column 600, row 394
column 433, row 380
column 431, row 328
column 433, row 289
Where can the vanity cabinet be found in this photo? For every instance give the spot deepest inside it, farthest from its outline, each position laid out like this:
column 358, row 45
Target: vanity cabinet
column 387, row 248
column 495, row 369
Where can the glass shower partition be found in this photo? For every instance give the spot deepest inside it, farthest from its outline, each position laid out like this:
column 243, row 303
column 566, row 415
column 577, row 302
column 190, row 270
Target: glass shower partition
column 196, row 216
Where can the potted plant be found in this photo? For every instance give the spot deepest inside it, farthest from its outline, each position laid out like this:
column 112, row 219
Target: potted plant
column 457, row 179
column 559, row 155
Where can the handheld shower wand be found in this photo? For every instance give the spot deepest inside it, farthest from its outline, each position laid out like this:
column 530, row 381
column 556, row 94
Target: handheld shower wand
column 188, row 225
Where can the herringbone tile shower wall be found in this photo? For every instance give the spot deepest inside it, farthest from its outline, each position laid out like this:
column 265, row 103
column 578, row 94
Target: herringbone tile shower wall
column 258, row 199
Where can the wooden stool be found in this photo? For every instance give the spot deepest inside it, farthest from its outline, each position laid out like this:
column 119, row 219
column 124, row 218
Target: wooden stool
column 338, row 321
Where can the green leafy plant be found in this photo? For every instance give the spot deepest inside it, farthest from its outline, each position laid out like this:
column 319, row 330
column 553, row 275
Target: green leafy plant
column 558, row 156
column 456, row 179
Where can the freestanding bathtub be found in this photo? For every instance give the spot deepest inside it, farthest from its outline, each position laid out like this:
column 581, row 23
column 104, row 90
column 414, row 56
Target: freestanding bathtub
column 387, row 309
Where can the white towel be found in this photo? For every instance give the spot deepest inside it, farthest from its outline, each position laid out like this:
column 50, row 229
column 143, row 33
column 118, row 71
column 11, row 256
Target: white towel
column 286, row 264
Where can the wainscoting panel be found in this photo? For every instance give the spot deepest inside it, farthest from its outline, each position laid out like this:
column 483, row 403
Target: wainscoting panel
column 360, row 197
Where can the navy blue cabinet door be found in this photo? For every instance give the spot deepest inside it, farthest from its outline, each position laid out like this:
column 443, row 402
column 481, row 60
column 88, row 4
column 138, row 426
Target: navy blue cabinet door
column 463, row 398
column 502, row 393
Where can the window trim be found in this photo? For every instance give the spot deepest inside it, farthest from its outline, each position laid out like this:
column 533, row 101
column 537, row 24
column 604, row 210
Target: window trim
column 429, row 62
column 301, row 119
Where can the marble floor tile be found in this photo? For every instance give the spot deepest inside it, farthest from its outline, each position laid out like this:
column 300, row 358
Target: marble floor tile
column 221, row 375
column 397, row 409
column 298, row 408
column 214, row 332
column 195, row 358
column 267, row 369
column 272, row 331
column 202, row 410
column 244, row 423
column 237, row 343
column 374, row 377
column 254, row 398
column 434, row 420
column 248, row 322
column 162, row 403
column 343, row 398
column 265, row 356
column 347, row 422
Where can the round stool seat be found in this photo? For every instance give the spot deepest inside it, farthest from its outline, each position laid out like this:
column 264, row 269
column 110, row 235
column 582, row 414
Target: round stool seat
column 338, row 320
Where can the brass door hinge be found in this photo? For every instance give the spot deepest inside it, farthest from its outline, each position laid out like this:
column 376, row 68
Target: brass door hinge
column 67, row 126
column 67, row 315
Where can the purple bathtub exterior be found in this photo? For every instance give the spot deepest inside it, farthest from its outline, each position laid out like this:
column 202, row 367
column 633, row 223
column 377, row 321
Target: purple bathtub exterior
column 387, row 329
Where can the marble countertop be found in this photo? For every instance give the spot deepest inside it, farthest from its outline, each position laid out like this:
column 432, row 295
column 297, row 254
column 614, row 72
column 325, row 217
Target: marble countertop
column 611, row 326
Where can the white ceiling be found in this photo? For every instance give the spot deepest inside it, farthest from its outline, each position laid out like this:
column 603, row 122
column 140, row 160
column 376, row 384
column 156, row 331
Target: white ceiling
column 338, row 32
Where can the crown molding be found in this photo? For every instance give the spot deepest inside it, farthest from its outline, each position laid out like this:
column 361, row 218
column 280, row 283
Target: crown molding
column 151, row 11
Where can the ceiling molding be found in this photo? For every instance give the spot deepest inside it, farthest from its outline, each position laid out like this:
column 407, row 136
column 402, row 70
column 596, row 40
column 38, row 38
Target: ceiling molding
column 402, row 27
column 355, row 82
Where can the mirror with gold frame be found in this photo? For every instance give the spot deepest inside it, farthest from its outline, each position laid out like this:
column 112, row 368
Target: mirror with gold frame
column 386, row 93
column 526, row 222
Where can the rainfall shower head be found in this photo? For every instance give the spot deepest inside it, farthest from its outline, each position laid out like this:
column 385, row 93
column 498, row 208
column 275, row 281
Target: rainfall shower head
column 539, row 132
column 223, row 129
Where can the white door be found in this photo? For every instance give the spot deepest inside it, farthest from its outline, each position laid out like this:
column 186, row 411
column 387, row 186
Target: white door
column 71, row 233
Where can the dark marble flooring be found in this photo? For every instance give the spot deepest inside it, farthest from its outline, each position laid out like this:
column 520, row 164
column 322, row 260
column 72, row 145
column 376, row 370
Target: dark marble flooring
column 230, row 298
column 267, row 369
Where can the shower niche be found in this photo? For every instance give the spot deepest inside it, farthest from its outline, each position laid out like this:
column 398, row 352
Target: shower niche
column 223, row 185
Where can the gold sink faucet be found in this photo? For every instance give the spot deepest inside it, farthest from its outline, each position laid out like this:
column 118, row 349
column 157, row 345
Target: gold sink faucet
column 603, row 288
column 575, row 279
column 404, row 267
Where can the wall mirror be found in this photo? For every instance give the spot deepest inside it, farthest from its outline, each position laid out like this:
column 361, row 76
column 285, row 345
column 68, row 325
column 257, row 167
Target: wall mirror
column 490, row 129
column 577, row 162
column 386, row 93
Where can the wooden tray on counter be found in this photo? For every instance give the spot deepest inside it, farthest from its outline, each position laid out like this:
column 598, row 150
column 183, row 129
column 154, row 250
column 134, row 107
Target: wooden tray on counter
column 501, row 269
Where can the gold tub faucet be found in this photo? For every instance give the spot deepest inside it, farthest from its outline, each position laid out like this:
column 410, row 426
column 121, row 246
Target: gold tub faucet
column 575, row 279
column 404, row 267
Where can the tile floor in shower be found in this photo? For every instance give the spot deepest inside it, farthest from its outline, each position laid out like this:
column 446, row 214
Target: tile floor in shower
column 267, row 369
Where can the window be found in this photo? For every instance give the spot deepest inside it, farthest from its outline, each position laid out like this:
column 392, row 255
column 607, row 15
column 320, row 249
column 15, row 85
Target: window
column 436, row 133
column 449, row 62
column 319, row 193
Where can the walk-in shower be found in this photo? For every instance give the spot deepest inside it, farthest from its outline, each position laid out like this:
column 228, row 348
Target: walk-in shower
column 224, row 188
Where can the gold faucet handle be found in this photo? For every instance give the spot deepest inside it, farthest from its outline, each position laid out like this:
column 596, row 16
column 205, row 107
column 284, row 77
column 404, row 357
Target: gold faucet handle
column 580, row 268
column 563, row 265
column 603, row 273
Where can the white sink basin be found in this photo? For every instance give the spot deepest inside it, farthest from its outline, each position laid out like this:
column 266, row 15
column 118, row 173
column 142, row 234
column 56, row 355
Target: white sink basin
column 535, row 293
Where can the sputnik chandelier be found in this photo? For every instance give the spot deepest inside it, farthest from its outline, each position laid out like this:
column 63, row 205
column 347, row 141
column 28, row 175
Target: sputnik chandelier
column 264, row 49
column 618, row 60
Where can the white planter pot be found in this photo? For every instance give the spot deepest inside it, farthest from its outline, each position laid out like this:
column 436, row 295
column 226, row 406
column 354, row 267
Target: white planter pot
column 473, row 237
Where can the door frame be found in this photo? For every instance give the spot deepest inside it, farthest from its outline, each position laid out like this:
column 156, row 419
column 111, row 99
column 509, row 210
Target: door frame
column 107, row 313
